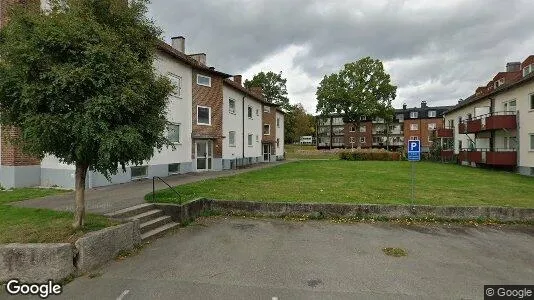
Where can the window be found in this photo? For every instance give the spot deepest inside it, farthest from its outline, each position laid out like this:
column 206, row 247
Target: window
column 278, row 122
column 416, row 138
column 250, row 140
column 352, row 129
column 431, row 113
column 362, row 140
column 250, row 112
column 430, row 139
column 432, row 126
column 203, row 80
column 532, row 101
column 174, row 168
column 203, row 115
column 451, row 124
column 277, row 143
column 414, row 127
column 414, row 115
column 460, row 145
column 139, row 172
column 266, row 129
column 257, row 112
column 510, row 142
column 499, row 82
column 400, row 118
column 532, row 142
column 363, row 118
column 266, row 109
column 257, row 138
column 177, row 82
column 379, row 120
column 231, row 106
column 173, row 133
column 352, row 139
column 231, row 138
column 528, row 69
column 469, row 116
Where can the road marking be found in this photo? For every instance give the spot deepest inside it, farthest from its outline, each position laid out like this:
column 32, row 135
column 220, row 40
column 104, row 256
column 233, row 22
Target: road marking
column 123, row 294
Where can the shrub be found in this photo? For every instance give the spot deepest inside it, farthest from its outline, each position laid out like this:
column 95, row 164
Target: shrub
column 369, row 154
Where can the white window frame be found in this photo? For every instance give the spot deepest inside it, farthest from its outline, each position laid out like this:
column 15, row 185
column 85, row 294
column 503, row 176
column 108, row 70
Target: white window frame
column 230, row 144
column 414, row 114
column 531, row 102
column 432, row 126
column 430, row 139
column 263, row 129
column 363, row 118
column 250, row 112
column 400, row 117
column 351, row 139
column 230, row 110
column 141, row 176
column 257, row 112
column 175, row 172
column 352, row 128
column 179, row 131
column 362, row 140
column 414, row 138
column 204, row 84
column 277, row 143
column 266, row 109
column 414, row 125
column 531, row 135
column 278, row 122
column 178, row 89
column 250, row 138
column 432, row 113
column 364, row 128
column 209, row 111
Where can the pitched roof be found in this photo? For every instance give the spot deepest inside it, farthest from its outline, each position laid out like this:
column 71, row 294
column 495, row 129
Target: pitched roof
column 248, row 92
column 188, row 60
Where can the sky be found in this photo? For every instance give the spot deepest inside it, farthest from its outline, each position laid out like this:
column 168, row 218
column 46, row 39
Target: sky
column 438, row 51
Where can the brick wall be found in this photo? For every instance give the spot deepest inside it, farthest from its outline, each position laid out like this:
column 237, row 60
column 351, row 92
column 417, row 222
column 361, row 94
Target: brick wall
column 423, row 132
column 12, row 155
column 210, row 97
column 368, row 134
column 269, row 118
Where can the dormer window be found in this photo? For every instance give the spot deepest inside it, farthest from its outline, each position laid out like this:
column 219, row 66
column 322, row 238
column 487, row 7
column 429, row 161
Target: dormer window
column 528, row 69
column 499, row 82
column 431, row 113
column 414, row 115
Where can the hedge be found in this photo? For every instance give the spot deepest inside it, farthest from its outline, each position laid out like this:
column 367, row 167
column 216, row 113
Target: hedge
column 359, row 155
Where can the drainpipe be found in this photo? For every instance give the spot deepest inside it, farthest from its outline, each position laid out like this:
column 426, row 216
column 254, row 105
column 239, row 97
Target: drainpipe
column 243, row 144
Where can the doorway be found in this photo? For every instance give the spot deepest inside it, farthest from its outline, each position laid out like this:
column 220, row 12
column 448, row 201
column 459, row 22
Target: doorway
column 204, row 155
column 267, row 152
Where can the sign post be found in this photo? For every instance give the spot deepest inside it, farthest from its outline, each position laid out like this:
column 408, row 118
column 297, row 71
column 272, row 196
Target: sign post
column 414, row 154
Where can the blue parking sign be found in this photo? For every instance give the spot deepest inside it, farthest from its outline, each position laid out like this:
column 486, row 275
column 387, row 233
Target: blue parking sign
column 414, row 150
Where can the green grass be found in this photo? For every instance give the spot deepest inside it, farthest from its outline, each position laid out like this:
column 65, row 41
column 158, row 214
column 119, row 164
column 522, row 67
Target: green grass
column 366, row 182
column 28, row 225
column 308, row 152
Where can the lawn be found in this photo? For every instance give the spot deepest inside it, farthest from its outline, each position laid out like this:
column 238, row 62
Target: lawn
column 339, row 181
column 28, row 225
column 309, row 152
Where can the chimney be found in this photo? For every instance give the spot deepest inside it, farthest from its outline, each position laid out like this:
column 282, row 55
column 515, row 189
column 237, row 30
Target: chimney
column 256, row 90
column 513, row 66
column 199, row 57
column 178, row 43
column 404, row 106
column 423, row 104
column 238, row 79
column 460, row 101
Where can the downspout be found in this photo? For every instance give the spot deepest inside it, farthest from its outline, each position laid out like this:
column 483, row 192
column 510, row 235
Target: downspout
column 243, row 144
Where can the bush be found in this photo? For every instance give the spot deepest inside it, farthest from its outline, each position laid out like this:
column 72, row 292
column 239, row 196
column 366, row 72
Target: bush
column 362, row 155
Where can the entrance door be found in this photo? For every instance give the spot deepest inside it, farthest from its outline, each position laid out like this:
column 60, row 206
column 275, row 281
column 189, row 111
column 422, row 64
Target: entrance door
column 204, row 155
column 267, row 152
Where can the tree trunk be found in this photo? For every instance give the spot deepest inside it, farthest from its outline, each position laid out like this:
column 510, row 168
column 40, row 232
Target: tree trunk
column 79, row 213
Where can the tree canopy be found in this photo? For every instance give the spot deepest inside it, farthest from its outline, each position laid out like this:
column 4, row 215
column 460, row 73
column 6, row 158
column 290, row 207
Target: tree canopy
column 300, row 123
column 274, row 87
column 78, row 82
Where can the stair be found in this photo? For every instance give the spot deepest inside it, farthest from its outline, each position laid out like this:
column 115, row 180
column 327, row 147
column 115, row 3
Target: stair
column 154, row 222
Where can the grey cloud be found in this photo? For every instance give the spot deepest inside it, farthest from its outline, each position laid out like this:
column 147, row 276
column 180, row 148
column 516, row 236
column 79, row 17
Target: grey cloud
column 457, row 47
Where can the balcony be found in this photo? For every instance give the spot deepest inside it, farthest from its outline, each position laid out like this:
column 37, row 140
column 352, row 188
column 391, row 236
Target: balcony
column 474, row 126
column 447, row 154
column 444, row 133
column 495, row 157
column 501, row 120
column 462, row 128
column 470, row 156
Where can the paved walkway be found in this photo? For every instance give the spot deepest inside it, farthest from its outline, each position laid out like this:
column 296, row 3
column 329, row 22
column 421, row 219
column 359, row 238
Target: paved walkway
column 107, row 199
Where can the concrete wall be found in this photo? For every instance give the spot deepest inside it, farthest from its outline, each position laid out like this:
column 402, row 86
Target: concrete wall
column 233, row 122
column 253, row 126
column 19, row 176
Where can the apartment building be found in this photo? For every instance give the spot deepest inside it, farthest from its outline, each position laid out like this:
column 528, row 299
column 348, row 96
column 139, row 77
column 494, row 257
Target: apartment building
column 214, row 123
column 417, row 123
column 495, row 126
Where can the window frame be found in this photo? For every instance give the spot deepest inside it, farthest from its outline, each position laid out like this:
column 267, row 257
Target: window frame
column 432, row 113
column 250, row 112
column 434, row 127
column 230, row 110
column 209, row 113
column 414, row 138
column 266, row 109
column 414, row 114
column 204, row 76
column 145, row 167
column 179, row 125
column 277, row 122
column 531, row 135
column 352, row 128
column 177, row 94
column 531, row 104
column 362, row 140
column 412, row 127
column 173, row 172
column 364, row 128
column 266, row 124
column 230, row 144
column 250, row 139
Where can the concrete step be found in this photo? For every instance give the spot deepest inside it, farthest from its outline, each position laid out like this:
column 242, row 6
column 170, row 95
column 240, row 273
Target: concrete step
column 131, row 211
column 147, row 216
column 155, row 223
column 155, row 233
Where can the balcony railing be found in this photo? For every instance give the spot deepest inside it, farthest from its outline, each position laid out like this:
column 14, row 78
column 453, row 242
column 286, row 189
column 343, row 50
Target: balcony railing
column 496, row 157
column 491, row 121
column 444, row 133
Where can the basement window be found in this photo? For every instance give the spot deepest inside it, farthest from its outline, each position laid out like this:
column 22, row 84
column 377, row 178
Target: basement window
column 139, row 172
column 174, row 168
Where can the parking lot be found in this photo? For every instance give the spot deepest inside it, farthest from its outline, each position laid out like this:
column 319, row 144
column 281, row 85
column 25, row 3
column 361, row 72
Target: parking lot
column 237, row 258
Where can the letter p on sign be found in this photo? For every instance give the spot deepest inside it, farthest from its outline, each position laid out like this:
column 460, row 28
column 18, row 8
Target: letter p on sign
column 414, row 146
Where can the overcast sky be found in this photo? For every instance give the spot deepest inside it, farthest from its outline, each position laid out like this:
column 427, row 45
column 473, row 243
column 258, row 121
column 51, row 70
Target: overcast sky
column 438, row 51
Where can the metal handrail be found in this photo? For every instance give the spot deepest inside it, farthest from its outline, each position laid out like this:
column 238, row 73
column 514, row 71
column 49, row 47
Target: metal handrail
column 495, row 113
column 154, row 188
column 488, row 150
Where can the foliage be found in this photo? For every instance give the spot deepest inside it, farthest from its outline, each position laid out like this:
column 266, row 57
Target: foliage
column 79, row 83
column 363, row 155
column 360, row 89
column 273, row 86
column 300, row 123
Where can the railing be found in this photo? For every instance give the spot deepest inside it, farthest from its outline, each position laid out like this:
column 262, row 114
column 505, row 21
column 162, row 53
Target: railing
column 496, row 156
column 479, row 123
column 154, row 189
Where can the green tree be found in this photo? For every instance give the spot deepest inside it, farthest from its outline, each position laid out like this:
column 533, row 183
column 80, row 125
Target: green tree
column 273, row 86
column 79, row 83
column 360, row 89
column 304, row 123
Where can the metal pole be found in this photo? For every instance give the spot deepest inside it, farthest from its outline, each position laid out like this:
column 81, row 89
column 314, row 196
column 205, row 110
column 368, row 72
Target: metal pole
column 153, row 189
column 413, row 183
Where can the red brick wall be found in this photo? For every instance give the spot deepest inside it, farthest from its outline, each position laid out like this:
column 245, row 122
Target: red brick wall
column 12, row 155
column 211, row 97
column 368, row 134
column 269, row 118
column 423, row 132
